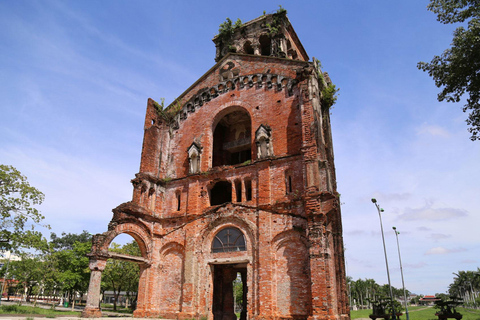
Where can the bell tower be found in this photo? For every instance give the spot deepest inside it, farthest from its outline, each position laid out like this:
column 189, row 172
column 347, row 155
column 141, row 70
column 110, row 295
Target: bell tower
column 269, row 35
column 237, row 190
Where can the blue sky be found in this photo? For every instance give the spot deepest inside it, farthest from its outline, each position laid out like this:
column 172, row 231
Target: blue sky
column 75, row 77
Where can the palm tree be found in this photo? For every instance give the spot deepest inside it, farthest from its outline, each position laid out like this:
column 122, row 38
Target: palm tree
column 466, row 285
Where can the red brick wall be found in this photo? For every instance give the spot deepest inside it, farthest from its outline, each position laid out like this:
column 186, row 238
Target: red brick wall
column 292, row 224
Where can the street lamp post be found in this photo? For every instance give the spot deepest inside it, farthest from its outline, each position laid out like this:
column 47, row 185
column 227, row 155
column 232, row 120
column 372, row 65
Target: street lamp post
column 386, row 260
column 401, row 272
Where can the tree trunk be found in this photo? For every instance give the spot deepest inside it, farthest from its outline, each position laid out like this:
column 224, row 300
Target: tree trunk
column 73, row 301
column 115, row 299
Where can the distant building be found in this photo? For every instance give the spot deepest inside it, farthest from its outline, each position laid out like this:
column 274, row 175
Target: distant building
column 429, row 300
column 8, row 283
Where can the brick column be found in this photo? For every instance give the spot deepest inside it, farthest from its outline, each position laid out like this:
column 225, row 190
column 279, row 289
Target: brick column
column 144, row 303
column 92, row 309
column 319, row 270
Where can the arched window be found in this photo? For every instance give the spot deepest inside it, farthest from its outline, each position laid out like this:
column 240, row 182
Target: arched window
column 265, row 45
column 232, row 139
column 229, row 239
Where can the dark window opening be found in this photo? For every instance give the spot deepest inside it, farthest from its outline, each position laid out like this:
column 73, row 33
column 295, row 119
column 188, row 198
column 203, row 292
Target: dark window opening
column 238, row 190
column 248, row 190
column 247, row 48
column 178, row 201
column 265, row 45
column 229, row 239
column 232, row 139
column 221, row 193
column 290, row 190
column 240, row 156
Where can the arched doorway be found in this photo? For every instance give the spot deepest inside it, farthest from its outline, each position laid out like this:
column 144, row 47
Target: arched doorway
column 120, row 278
column 230, row 279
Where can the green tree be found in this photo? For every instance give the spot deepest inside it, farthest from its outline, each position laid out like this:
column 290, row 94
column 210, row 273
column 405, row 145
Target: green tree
column 457, row 69
column 120, row 275
column 18, row 212
column 72, row 271
column 466, row 285
column 28, row 272
column 238, row 290
column 67, row 240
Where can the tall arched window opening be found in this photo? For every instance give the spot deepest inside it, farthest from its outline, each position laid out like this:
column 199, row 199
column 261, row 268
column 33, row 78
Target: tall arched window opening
column 265, row 45
column 248, row 190
column 232, row 139
column 238, row 190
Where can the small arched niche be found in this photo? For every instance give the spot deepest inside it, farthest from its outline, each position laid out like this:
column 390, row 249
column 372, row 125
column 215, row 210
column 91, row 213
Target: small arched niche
column 263, row 137
column 232, row 139
column 221, row 193
column 229, row 239
column 194, row 161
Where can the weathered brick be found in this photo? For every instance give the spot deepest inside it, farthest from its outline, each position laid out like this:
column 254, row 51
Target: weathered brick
column 275, row 185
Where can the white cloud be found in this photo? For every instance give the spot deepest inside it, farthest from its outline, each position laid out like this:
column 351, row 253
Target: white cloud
column 423, row 229
column 433, row 130
column 439, row 236
column 442, row 250
column 356, row 232
column 433, row 214
column 395, row 196
column 469, row 261
column 418, row 265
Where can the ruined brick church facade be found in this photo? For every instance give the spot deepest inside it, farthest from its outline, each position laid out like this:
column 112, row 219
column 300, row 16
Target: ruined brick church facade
column 237, row 181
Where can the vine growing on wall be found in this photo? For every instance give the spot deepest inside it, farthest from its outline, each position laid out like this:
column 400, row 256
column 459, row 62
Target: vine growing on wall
column 169, row 113
column 277, row 20
column 329, row 90
column 329, row 95
column 227, row 29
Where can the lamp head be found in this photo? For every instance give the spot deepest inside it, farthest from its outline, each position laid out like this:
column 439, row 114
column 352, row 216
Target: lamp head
column 381, row 210
column 374, row 200
column 394, row 228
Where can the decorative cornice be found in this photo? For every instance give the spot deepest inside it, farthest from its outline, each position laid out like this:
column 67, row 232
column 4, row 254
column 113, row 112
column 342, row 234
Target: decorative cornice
column 257, row 80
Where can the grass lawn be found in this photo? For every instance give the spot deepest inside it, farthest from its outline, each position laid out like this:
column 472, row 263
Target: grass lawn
column 421, row 313
column 26, row 310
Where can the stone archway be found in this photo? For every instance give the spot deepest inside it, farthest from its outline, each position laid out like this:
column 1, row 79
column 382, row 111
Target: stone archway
column 98, row 260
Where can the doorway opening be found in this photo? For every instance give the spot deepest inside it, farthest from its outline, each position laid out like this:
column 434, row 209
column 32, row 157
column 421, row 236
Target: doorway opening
column 230, row 291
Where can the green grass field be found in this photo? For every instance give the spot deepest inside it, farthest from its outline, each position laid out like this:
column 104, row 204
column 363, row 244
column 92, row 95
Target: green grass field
column 422, row 313
column 26, row 310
